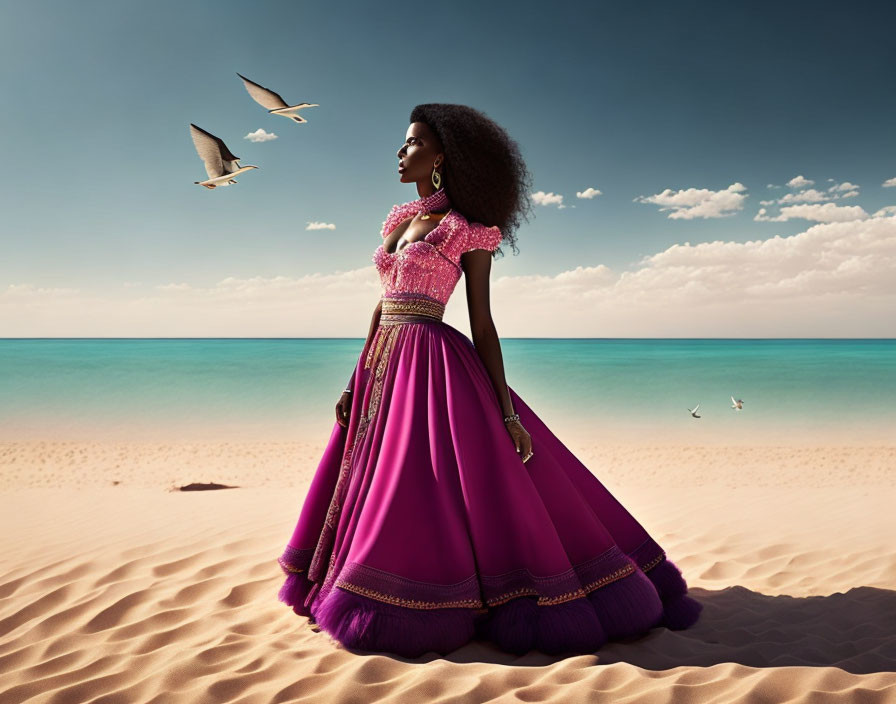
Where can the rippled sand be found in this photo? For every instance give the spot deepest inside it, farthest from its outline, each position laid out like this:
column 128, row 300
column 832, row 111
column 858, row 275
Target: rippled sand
column 114, row 588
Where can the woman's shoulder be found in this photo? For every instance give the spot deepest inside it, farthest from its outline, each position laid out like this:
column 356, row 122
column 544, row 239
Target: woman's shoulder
column 399, row 212
column 480, row 236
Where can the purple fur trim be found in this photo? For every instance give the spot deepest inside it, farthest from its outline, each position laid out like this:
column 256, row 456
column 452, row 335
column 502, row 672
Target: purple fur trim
column 667, row 579
column 294, row 591
column 680, row 610
column 627, row 607
column 521, row 625
column 624, row 608
column 363, row 623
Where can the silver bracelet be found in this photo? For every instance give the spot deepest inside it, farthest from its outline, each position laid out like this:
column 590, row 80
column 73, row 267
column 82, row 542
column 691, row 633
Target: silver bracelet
column 515, row 416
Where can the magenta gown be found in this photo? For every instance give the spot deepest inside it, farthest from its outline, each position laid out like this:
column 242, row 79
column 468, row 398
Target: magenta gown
column 423, row 529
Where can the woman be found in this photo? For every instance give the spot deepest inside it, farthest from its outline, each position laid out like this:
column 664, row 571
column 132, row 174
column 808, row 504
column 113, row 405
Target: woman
column 443, row 509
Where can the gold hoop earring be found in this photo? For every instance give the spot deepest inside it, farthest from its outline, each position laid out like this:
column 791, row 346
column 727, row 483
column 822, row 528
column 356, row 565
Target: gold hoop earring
column 436, row 179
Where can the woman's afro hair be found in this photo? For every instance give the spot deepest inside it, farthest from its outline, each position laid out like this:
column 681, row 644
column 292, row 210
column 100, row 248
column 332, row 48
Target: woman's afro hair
column 484, row 174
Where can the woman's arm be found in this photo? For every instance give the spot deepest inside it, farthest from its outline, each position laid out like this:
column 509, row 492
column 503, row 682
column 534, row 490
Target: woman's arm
column 477, row 264
column 374, row 322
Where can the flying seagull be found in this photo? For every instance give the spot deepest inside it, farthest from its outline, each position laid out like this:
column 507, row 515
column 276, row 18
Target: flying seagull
column 220, row 163
column 738, row 404
column 273, row 102
column 694, row 412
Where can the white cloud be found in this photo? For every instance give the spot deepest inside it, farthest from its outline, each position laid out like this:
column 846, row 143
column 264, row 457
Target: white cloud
column 588, row 193
column 799, row 182
column 699, row 202
column 829, row 213
column 31, row 294
column 843, row 258
column 832, row 280
column 334, row 304
column 810, row 195
column 889, row 183
column 823, row 212
column 542, row 198
column 260, row 135
column 320, row 226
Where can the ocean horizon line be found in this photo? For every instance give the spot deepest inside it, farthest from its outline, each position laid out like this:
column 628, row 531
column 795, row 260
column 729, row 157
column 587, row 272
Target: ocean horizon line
column 503, row 337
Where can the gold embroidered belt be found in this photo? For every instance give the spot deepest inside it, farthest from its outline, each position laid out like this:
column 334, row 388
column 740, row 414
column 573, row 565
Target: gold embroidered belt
column 410, row 309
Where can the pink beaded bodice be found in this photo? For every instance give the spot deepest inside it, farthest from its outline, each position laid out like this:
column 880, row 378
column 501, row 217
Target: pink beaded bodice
column 430, row 266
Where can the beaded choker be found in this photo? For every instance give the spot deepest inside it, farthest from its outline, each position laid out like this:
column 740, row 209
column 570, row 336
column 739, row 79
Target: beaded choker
column 434, row 203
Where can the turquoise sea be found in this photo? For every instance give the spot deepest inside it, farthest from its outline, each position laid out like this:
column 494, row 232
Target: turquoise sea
column 794, row 390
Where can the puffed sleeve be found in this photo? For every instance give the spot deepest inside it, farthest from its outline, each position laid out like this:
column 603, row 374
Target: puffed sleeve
column 390, row 221
column 480, row 236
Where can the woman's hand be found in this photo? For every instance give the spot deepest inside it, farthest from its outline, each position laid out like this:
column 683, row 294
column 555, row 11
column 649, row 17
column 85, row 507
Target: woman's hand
column 343, row 408
column 521, row 439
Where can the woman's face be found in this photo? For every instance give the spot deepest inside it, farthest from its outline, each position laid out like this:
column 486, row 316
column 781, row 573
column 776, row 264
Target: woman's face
column 418, row 155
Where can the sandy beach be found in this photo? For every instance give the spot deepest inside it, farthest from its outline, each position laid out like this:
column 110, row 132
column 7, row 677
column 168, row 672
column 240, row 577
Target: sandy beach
column 662, row 234
column 116, row 588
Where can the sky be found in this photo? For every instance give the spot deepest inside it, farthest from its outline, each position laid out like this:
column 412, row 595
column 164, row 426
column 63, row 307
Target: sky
column 700, row 169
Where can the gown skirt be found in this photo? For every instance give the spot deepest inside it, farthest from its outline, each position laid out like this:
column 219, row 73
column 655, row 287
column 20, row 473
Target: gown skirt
column 423, row 529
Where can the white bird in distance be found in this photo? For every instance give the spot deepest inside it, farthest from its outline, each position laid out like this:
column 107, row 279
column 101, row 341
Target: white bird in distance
column 694, row 412
column 273, row 102
column 220, row 163
column 737, row 405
